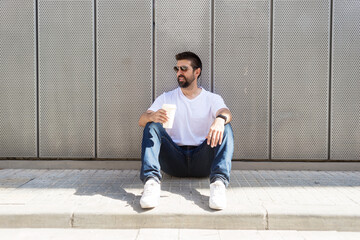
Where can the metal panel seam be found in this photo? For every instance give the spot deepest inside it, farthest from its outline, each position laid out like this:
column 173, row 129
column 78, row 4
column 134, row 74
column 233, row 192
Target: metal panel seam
column 36, row 16
column 330, row 77
column 271, row 22
column 95, row 80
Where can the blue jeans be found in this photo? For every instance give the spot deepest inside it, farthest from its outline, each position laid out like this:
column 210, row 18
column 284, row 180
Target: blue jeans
column 158, row 151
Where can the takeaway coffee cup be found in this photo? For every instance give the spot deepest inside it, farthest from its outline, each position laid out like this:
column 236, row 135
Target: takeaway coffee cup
column 170, row 110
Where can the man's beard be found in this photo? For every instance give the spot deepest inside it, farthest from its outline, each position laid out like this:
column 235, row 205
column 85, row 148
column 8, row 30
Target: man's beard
column 186, row 83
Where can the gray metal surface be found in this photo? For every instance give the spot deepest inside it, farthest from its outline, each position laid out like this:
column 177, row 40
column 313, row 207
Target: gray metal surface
column 124, row 75
column 241, row 74
column 17, row 79
column 345, row 99
column 66, row 78
column 300, row 79
column 294, row 116
column 181, row 26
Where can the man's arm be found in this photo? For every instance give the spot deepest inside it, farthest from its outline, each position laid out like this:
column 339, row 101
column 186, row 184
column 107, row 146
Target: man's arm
column 226, row 112
column 151, row 116
column 216, row 131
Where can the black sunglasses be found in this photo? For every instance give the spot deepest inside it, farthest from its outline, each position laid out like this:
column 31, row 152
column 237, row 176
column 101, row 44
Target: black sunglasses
column 182, row 68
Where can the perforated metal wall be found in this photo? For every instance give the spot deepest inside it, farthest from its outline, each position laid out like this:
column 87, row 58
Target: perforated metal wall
column 66, row 78
column 81, row 114
column 345, row 100
column 124, row 74
column 300, row 79
column 241, row 72
column 181, row 26
column 17, row 79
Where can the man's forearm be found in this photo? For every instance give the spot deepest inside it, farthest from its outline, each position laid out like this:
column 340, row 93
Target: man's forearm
column 226, row 112
column 144, row 119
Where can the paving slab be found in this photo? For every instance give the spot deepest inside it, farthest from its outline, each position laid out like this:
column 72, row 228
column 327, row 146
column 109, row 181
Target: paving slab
column 109, row 199
column 170, row 234
column 314, row 217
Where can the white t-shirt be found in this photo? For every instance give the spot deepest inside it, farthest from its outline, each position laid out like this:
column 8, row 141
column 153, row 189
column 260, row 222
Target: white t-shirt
column 193, row 117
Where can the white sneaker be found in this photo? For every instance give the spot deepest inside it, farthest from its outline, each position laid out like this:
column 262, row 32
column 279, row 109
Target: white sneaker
column 151, row 194
column 217, row 199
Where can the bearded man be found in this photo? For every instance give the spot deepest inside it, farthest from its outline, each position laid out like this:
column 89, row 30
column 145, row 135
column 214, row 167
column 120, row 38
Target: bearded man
column 200, row 142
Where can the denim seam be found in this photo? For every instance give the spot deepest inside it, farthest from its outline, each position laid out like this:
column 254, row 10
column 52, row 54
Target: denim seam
column 219, row 177
column 188, row 162
column 152, row 176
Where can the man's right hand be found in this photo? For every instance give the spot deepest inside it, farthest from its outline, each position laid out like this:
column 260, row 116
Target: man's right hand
column 159, row 116
column 149, row 116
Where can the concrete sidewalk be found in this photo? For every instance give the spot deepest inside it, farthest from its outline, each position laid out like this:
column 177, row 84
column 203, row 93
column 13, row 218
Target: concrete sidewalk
column 169, row 234
column 257, row 200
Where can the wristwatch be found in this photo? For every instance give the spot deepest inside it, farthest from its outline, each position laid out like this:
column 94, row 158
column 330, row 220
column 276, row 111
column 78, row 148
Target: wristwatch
column 221, row 116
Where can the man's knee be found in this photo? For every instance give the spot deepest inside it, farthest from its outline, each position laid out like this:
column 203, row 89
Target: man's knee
column 153, row 126
column 153, row 130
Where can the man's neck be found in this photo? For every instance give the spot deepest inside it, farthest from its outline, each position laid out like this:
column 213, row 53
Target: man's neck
column 192, row 91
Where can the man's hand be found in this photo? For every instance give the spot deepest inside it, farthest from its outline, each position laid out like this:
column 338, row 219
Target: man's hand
column 149, row 116
column 216, row 132
column 159, row 116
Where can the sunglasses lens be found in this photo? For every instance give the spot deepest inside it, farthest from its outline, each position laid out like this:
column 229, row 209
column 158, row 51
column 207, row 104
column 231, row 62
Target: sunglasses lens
column 182, row 68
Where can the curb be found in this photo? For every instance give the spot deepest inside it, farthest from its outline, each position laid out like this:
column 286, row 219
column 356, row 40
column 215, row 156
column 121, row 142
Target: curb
column 245, row 218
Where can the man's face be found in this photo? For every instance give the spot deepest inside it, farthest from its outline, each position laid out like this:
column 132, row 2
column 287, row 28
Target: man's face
column 185, row 75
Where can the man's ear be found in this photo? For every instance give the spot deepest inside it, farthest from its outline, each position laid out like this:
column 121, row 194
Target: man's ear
column 197, row 72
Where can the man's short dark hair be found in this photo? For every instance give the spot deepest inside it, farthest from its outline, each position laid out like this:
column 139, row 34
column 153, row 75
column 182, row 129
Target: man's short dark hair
column 192, row 57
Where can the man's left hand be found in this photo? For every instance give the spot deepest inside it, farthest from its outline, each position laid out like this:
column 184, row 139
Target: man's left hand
column 216, row 132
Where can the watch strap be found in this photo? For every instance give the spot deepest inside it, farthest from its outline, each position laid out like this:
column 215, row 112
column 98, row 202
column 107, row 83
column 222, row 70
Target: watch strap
column 221, row 116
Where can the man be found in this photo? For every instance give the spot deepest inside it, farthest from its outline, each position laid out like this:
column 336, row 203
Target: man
column 199, row 144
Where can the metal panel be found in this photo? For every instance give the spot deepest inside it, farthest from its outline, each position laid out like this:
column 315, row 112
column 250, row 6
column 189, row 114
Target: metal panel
column 300, row 79
column 345, row 100
column 17, row 79
column 181, row 26
column 241, row 62
column 66, row 78
column 124, row 67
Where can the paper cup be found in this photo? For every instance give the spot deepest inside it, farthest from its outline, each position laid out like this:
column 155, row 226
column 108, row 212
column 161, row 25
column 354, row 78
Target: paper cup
column 170, row 110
